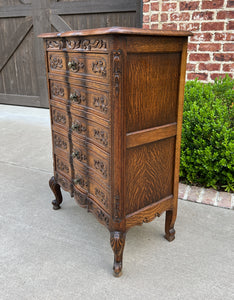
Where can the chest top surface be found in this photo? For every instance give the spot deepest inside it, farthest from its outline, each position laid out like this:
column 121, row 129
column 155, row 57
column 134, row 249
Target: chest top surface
column 116, row 31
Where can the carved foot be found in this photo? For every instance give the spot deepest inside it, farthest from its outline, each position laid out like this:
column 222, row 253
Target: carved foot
column 55, row 187
column 169, row 226
column 117, row 241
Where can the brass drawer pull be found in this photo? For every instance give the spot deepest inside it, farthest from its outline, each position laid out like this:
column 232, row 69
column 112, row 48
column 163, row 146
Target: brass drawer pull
column 78, row 127
column 72, row 65
column 77, row 97
column 79, row 180
column 75, row 66
column 79, row 155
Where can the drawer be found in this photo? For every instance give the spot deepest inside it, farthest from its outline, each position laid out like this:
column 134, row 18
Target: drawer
column 82, row 98
column 62, row 165
column 60, row 143
column 95, row 132
column 99, row 195
column 93, row 66
column 63, row 182
column 59, row 117
column 97, row 160
column 87, row 185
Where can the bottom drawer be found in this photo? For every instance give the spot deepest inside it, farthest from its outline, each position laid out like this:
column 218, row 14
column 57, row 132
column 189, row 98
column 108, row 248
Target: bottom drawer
column 65, row 183
column 87, row 185
column 92, row 206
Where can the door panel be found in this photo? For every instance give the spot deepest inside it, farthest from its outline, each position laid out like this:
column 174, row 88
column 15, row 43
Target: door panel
column 22, row 65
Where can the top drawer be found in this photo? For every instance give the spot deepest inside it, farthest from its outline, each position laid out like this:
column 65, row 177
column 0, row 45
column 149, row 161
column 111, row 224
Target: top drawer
column 84, row 65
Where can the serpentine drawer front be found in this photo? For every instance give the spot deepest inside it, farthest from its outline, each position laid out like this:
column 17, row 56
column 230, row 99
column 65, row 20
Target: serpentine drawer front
column 116, row 103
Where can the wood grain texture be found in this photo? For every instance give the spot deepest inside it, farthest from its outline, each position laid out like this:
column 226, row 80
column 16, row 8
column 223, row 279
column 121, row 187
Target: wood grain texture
column 147, row 136
column 91, row 66
column 81, row 98
column 122, row 164
column 117, row 30
column 149, row 213
column 149, row 174
column 151, row 96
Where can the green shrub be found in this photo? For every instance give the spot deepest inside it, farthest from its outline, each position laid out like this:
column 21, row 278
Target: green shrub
column 207, row 145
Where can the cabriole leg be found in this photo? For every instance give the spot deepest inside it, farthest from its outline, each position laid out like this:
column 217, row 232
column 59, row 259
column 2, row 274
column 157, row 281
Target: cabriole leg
column 55, row 187
column 117, row 241
column 169, row 225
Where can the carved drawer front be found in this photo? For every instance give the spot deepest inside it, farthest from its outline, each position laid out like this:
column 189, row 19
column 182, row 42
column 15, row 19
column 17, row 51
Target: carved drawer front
column 81, row 180
column 63, row 182
column 58, row 90
column 94, row 158
column 80, row 97
column 99, row 194
column 61, row 144
column 96, row 44
column 59, row 117
column 79, row 64
column 86, row 183
column 62, row 166
column 96, row 133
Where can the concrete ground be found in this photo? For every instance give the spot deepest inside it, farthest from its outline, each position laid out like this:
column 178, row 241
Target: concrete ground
column 65, row 254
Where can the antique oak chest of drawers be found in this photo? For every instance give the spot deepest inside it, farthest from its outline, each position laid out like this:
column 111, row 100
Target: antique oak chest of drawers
column 116, row 102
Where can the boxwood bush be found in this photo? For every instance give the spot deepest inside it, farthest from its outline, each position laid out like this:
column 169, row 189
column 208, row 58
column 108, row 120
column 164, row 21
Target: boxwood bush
column 207, row 146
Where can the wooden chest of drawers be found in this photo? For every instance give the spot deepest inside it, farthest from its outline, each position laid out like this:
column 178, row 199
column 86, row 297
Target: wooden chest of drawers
column 116, row 102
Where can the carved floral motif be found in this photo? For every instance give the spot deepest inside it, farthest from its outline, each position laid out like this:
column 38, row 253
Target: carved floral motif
column 117, row 216
column 59, row 142
column 101, row 196
column 78, row 127
column 116, row 70
column 99, row 67
column 54, row 44
column 62, row 166
column 101, row 136
column 59, row 117
column 101, row 103
column 100, row 166
column 79, row 156
column 61, row 181
column 80, row 198
column 57, row 90
column 85, row 44
column 56, row 62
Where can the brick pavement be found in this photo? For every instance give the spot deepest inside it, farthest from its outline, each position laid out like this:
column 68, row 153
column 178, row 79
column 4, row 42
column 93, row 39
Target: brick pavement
column 206, row 196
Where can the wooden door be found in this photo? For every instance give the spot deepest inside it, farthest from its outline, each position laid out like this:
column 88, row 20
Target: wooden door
column 22, row 67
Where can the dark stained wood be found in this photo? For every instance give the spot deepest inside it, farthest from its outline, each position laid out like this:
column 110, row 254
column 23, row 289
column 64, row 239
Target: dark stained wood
column 116, row 115
column 55, row 187
column 147, row 136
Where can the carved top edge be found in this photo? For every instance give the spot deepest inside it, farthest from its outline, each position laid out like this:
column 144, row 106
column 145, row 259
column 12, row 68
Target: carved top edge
column 116, row 30
column 73, row 44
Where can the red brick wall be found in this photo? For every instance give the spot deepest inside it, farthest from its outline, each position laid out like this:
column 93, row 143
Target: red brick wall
column 211, row 49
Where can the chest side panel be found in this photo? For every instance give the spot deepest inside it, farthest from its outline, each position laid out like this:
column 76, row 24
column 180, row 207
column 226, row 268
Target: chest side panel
column 151, row 89
column 151, row 105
